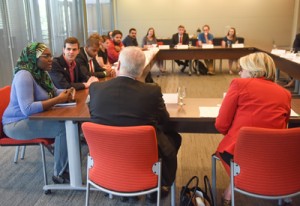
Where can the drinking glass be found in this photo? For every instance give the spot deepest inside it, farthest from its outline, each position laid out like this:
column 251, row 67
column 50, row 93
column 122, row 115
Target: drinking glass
column 181, row 95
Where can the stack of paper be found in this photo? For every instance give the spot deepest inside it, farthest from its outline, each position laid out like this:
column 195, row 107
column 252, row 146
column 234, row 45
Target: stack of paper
column 170, row 98
column 209, row 111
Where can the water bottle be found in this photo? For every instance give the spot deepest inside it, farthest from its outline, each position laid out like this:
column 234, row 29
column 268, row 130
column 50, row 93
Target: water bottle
column 228, row 44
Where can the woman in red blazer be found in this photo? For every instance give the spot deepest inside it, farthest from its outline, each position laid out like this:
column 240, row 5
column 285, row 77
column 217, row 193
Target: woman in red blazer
column 252, row 100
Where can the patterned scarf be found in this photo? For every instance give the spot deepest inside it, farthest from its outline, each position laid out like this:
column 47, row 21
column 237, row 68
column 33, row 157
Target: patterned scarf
column 28, row 61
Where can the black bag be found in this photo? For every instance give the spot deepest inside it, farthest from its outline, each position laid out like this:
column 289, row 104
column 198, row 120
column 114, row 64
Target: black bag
column 200, row 67
column 189, row 193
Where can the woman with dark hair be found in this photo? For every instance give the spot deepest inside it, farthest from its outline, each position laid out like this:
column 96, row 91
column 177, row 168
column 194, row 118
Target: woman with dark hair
column 227, row 41
column 33, row 92
column 149, row 41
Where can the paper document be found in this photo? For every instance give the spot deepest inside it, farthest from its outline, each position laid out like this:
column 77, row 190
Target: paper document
column 170, row 98
column 294, row 114
column 183, row 46
column 209, row 111
column 278, row 51
column 67, row 104
column 164, row 46
column 237, row 45
column 207, row 46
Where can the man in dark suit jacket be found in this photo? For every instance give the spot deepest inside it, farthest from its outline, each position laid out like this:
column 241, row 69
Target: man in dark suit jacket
column 65, row 72
column 87, row 59
column 181, row 38
column 296, row 44
column 296, row 47
column 124, row 101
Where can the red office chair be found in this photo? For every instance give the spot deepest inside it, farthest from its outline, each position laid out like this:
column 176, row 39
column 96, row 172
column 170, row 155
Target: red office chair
column 7, row 141
column 123, row 161
column 266, row 163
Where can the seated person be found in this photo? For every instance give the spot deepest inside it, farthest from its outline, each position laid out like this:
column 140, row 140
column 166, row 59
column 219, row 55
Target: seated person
column 148, row 41
column 65, row 73
column 253, row 100
column 227, row 41
column 138, row 104
column 33, row 92
column 86, row 59
column 102, row 57
column 109, row 34
column 296, row 47
column 207, row 38
column 115, row 47
column 181, row 38
column 130, row 39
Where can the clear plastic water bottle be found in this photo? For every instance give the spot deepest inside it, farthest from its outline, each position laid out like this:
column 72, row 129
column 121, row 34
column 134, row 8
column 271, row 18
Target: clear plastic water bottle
column 228, row 44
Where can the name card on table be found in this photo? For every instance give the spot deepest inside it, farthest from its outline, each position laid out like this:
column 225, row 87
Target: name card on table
column 164, row 46
column 278, row 52
column 207, row 46
column 170, row 98
column 182, row 46
column 209, row 111
column 237, row 45
column 293, row 113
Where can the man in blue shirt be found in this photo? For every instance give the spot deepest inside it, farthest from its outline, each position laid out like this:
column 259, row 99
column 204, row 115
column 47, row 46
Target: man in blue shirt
column 207, row 38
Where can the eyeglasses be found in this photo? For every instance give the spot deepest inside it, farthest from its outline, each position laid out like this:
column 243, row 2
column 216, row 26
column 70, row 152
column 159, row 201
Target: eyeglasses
column 47, row 56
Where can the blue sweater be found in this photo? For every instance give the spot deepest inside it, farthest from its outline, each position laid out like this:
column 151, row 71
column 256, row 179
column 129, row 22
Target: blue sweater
column 25, row 98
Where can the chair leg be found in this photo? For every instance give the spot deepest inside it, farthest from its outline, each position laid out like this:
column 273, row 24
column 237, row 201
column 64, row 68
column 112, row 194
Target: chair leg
column 16, row 154
column 87, row 194
column 158, row 197
column 172, row 65
column 220, row 66
column 214, row 177
column 44, row 164
column 173, row 194
column 232, row 182
column 23, row 152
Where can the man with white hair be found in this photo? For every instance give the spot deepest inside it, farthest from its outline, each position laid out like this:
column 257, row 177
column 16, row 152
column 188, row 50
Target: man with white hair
column 125, row 101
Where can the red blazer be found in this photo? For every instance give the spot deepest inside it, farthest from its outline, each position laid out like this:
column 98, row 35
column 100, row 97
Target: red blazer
column 251, row 102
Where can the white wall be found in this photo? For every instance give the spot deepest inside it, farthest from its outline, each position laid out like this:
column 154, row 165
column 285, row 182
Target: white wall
column 258, row 21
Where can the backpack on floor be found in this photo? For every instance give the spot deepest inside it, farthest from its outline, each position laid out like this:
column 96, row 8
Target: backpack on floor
column 200, row 67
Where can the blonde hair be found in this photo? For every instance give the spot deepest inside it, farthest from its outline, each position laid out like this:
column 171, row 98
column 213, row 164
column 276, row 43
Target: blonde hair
column 259, row 64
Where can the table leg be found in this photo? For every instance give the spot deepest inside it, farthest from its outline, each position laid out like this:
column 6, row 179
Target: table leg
column 74, row 160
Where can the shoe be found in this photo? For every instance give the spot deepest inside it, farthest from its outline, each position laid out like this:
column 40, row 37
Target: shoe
column 179, row 63
column 162, row 70
column 61, row 179
column 164, row 192
column 225, row 202
column 210, row 73
column 183, row 68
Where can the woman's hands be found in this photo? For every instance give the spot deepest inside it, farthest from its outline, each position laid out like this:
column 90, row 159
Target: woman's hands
column 65, row 96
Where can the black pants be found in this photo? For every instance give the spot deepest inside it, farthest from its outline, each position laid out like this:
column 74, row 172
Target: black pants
column 183, row 63
column 167, row 151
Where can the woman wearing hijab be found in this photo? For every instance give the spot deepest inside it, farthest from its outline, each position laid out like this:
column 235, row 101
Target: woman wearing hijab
column 32, row 92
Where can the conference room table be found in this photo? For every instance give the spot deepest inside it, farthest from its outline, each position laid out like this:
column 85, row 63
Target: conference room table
column 185, row 119
column 292, row 68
